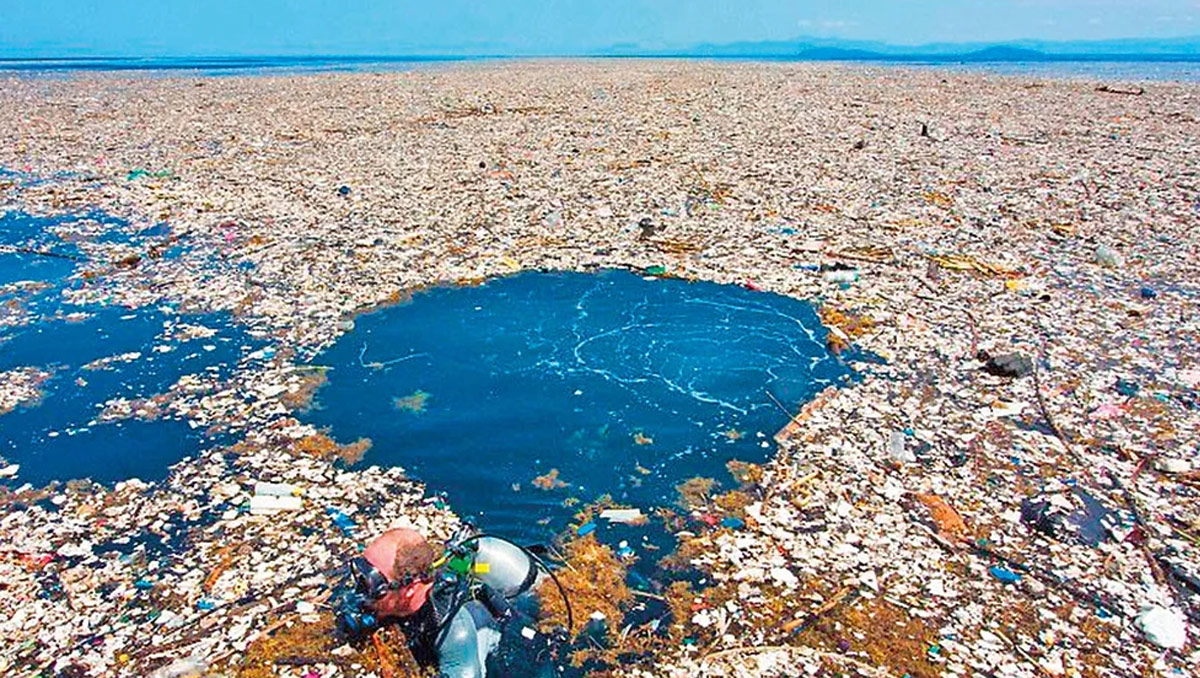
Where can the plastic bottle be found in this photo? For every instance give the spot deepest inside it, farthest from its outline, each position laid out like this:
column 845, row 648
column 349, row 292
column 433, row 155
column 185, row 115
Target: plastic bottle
column 269, row 504
column 897, row 451
column 262, row 489
column 1105, row 256
column 842, row 276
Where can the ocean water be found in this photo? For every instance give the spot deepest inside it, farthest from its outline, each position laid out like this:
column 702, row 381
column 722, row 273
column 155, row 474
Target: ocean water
column 1150, row 69
column 222, row 66
column 1107, row 71
column 598, row 384
column 88, row 356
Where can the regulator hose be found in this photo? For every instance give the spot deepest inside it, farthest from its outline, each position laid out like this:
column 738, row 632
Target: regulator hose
column 537, row 561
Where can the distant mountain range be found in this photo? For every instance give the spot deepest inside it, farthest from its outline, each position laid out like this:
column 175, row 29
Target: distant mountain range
column 820, row 49
column 799, row 49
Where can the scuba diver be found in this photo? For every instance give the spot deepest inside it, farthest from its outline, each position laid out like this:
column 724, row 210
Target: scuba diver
column 455, row 609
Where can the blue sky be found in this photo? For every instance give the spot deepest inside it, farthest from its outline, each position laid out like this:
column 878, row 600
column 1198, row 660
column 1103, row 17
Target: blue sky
column 240, row 27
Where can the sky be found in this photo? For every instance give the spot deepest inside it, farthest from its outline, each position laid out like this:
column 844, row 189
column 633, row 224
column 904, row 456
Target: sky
column 49, row 28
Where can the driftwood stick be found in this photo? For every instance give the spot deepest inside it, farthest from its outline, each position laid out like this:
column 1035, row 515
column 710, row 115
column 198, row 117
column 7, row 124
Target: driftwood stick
column 1105, row 89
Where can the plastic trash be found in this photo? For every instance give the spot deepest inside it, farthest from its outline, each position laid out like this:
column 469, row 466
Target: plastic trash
column 1012, row 365
column 1005, row 575
column 1164, row 627
column 625, row 516
column 1172, row 465
column 263, row 489
column 182, row 668
column 271, row 504
column 897, row 451
column 1105, row 256
column 845, row 276
column 1127, row 388
column 586, row 529
column 344, row 522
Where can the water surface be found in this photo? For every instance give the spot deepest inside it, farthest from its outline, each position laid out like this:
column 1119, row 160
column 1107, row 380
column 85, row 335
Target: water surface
column 542, row 389
column 96, row 363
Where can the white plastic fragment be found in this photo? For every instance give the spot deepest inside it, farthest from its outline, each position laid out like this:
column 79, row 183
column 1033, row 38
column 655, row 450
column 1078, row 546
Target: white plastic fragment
column 784, row 577
column 189, row 667
column 1164, row 627
column 898, row 451
column 624, row 516
column 264, row 489
column 269, row 504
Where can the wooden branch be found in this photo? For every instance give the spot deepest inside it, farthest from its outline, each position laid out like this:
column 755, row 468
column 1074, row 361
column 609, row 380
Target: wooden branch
column 1105, row 89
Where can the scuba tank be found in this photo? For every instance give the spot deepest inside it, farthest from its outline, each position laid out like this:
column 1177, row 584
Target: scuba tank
column 482, row 576
column 505, row 567
column 481, row 584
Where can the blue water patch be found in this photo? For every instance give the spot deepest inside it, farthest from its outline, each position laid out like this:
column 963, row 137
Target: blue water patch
column 221, row 65
column 101, row 372
column 604, row 383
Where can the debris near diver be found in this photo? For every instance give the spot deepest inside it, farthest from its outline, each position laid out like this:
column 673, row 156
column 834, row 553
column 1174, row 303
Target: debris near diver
column 414, row 403
column 548, row 481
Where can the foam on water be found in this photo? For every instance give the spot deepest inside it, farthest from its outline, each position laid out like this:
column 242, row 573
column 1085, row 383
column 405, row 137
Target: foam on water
column 627, row 386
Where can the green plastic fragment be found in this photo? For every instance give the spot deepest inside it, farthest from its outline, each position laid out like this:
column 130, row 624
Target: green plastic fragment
column 139, row 173
column 658, row 269
column 459, row 565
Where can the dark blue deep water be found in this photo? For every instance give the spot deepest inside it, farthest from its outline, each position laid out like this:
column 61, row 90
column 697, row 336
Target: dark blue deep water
column 627, row 386
column 60, row 435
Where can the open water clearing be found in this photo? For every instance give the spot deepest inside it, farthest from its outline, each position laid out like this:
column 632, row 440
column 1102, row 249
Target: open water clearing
column 520, row 396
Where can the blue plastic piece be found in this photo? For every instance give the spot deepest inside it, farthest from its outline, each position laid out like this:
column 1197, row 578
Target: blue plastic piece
column 586, row 529
column 1127, row 388
column 344, row 522
column 733, row 523
column 1005, row 575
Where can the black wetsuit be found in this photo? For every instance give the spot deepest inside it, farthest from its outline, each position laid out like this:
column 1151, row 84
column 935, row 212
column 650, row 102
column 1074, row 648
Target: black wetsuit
column 421, row 630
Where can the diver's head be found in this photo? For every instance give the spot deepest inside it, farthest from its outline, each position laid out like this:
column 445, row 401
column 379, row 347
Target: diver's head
column 402, row 561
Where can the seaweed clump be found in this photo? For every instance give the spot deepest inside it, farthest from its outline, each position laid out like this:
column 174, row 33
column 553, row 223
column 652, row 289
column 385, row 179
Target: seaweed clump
column 300, row 396
column 322, row 446
column 298, row 644
column 594, row 577
column 888, row 636
column 695, row 492
column 844, row 327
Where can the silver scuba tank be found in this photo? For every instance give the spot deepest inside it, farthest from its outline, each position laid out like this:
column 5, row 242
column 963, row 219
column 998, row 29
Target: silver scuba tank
column 506, row 568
